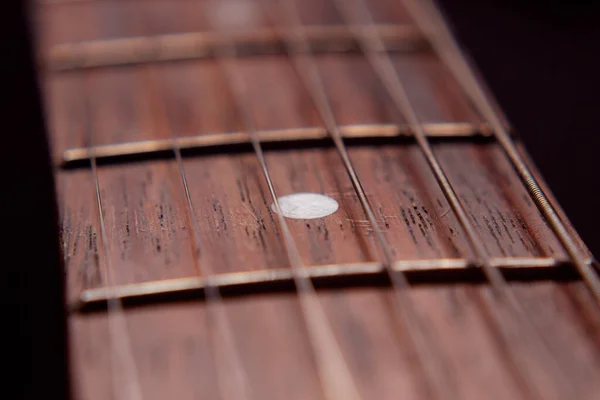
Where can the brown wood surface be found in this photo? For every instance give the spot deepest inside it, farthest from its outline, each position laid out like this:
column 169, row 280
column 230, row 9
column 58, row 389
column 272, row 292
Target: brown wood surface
column 150, row 235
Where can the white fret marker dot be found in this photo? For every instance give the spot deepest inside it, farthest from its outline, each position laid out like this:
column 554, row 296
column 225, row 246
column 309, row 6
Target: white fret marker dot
column 306, row 205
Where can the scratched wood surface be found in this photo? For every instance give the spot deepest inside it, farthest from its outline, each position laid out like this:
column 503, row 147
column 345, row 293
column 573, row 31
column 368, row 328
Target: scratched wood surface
column 150, row 236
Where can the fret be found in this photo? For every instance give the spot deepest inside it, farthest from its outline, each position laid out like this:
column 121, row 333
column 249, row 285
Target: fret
column 205, row 45
column 333, row 275
column 292, row 137
column 59, row 2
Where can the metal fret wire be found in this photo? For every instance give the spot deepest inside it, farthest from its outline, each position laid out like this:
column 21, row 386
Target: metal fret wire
column 117, row 325
column 223, row 341
column 335, row 376
column 300, row 53
column 201, row 45
column 433, row 26
column 151, row 289
column 277, row 136
column 382, row 64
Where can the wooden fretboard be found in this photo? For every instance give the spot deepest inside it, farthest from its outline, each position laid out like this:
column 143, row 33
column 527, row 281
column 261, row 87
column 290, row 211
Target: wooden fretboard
column 177, row 126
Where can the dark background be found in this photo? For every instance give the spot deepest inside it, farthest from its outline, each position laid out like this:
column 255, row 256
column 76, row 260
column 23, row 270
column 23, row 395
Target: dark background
column 33, row 324
column 540, row 59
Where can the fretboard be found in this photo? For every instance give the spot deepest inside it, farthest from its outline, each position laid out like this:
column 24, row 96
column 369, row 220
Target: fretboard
column 186, row 136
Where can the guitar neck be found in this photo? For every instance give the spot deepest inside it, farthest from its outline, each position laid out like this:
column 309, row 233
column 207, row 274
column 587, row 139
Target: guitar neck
column 260, row 196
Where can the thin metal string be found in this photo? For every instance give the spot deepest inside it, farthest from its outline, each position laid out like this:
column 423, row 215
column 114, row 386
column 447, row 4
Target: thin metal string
column 221, row 337
column 231, row 376
column 300, row 53
column 232, row 382
column 335, row 376
column 129, row 387
column 434, row 27
column 381, row 61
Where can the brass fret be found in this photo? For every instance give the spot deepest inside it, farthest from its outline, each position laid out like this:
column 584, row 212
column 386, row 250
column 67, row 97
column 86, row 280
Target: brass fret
column 363, row 131
column 153, row 290
column 201, row 45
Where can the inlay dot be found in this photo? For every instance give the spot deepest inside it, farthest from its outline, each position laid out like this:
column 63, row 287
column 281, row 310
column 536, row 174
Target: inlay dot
column 306, row 205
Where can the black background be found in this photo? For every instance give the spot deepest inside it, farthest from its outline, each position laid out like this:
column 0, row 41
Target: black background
column 33, row 323
column 541, row 60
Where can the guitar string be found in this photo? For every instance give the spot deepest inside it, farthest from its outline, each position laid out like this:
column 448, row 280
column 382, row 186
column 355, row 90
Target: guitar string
column 225, row 354
column 432, row 24
column 335, row 377
column 232, row 382
column 380, row 61
column 117, row 325
column 301, row 56
column 374, row 50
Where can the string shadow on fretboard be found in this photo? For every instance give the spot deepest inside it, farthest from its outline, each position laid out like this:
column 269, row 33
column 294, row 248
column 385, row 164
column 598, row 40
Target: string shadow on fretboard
column 241, row 148
column 562, row 273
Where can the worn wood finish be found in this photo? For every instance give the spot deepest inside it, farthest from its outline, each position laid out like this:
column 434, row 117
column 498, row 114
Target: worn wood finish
column 150, row 234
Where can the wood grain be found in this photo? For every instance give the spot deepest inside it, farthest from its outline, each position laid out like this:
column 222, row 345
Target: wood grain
column 150, row 234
